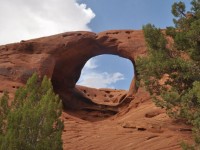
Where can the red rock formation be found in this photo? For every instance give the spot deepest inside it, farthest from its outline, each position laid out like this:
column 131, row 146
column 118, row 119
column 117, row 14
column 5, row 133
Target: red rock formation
column 138, row 126
column 94, row 118
column 63, row 56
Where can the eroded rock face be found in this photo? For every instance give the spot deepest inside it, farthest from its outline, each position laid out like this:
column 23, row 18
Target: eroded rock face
column 62, row 58
column 100, row 118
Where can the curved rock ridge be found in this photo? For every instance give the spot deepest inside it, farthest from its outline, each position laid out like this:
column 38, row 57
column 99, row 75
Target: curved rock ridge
column 62, row 57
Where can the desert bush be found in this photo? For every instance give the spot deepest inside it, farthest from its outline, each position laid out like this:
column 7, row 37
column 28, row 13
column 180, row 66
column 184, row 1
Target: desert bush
column 180, row 93
column 32, row 121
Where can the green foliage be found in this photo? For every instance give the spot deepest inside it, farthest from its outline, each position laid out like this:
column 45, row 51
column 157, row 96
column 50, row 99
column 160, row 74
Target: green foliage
column 159, row 62
column 154, row 39
column 181, row 41
column 4, row 110
column 171, row 31
column 178, row 9
column 186, row 146
column 33, row 120
column 188, row 36
column 179, row 91
column 195, row 6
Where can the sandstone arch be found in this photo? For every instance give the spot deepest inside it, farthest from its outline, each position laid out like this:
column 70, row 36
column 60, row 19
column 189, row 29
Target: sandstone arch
column 63, row 56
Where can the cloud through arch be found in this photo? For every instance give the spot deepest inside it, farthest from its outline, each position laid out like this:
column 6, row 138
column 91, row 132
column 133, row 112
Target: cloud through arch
column 92, row 77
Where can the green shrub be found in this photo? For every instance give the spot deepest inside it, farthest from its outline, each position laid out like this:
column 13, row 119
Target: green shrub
column 154, row 38
column 32, row 121
column 180, row 94
column 171, row 31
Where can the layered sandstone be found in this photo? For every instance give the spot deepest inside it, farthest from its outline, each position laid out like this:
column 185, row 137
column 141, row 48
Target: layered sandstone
column 94, row 118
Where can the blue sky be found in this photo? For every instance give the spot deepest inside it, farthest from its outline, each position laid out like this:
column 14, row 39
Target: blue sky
column 35, row 18
column 107, row 71
column 129, row 14
column 118, row 14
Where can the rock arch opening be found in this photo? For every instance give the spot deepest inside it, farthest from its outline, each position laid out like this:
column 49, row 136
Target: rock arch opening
column 70, row 58
column 107, row 71
column 86, row 98
column 61, row 57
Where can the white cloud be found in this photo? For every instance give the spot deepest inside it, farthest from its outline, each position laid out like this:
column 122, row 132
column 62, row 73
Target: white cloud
column 100, row 80
column 91, row 64
column 26, row 19
column 92, row 78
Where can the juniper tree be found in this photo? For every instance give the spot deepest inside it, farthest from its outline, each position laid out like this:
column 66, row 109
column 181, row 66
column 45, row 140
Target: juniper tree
column 180, row 95
column 33, row 120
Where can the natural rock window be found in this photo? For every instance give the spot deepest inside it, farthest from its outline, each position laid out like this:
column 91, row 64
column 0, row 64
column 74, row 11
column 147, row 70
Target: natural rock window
column 107, row 71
